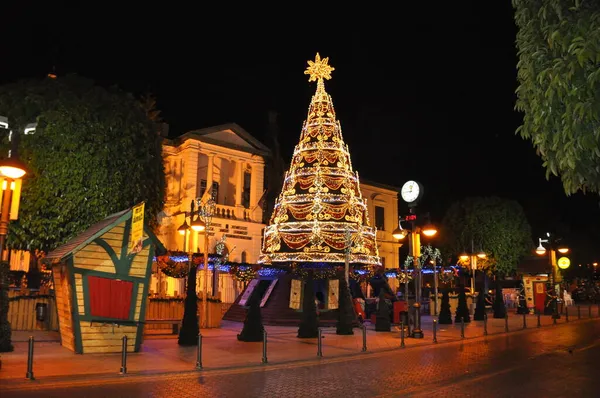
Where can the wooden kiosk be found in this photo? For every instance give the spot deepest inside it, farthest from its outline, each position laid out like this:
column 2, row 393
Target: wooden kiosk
column 101, row 284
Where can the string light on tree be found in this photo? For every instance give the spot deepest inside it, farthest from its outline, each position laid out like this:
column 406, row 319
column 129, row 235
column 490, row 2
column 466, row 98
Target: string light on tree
column 320, row 199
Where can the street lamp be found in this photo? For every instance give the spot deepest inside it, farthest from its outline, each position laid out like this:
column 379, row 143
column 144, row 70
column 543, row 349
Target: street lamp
column 205, row 215
column 552, row 275
column 200, row 221
column 415, row 251
column 12, row 171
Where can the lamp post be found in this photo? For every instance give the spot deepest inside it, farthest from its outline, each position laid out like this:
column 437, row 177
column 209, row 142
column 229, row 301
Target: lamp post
column 205, row 214
column 12, row 171
column 200, row 221
column 415, row 251
column 552, row 275
column 471, row 259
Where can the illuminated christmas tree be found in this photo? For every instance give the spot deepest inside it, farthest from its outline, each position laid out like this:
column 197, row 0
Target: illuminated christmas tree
column 320, row 200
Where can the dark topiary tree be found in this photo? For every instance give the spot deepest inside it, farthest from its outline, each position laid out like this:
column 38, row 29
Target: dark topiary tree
column 346, row 315
column 5, row 331
column 499, row 308
column 188, row 335
column 253, row 327
column 382, row 319
column 479, row 314
column 445, row 317
column 462, row 310
column 309, row 324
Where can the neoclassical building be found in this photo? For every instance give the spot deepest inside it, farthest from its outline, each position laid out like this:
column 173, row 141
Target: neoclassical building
column 231, row 163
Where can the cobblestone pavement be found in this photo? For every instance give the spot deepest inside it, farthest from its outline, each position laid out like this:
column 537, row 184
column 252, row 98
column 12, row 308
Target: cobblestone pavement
column 554, row 361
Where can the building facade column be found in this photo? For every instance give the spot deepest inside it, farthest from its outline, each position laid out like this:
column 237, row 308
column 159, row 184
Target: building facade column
column 209, row 177
column 256, row 190
column 239, row 188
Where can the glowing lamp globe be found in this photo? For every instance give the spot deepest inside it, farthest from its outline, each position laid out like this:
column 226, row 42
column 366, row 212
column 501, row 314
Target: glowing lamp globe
column 183, row 228
column 429, row 230
column 541, row 250
column 12, row 168
column 482, row 255
column 464, row 257
column 563, row 249
column 399, row 234
column 198, row 225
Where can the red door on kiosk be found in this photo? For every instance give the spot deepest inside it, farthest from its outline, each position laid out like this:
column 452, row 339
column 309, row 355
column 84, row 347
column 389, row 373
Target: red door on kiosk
column 539, row 295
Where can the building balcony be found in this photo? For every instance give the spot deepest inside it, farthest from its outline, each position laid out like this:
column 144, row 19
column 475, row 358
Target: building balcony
column 232, row 213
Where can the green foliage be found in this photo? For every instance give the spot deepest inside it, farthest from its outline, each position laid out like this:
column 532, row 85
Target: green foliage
column 496, row 226
column 559, row 92
column 5, row 331
column 95, row 152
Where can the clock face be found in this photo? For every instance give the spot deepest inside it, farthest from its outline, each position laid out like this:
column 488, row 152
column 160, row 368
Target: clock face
column 410, row 191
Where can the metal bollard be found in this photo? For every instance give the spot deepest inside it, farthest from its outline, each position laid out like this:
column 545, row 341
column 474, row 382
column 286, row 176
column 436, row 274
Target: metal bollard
column 435, row 330
column 199, row 353
column 566, row 314
column 553, row 320
column 124, row 356
column 506, row 322
column 29, row 374
column 364, row 330
column 524, row 321
column 578, row 312
column 462, row 327
column 319, row 344
column 402, row 334
column 539, row 321
column 485, row 332
column 264, row 357
column 590, row 311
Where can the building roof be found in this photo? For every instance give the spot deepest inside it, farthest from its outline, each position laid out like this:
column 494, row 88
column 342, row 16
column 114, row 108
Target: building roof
column 93, row 232
column 379, row 185
column 221, row 135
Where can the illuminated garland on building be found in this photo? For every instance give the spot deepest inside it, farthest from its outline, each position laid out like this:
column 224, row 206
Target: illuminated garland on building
column 320, row 199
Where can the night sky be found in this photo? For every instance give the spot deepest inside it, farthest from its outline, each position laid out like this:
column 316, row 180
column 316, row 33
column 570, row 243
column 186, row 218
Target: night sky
column 423, row 92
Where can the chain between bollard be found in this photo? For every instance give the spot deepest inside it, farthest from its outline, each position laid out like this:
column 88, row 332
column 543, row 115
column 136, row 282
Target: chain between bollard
column 199, row 353
column 435, row 330
column 539, row 321
column 124, row 356
column 29, row 374
column 402, row 335
column 462, row 327
column 485, row 331
column 364, row 335
column 264, row 353
column 320, row 343
column 524, row 321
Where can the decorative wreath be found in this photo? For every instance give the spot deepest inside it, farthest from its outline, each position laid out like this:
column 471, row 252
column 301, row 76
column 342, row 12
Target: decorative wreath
column 173, row 268
column 445, row 277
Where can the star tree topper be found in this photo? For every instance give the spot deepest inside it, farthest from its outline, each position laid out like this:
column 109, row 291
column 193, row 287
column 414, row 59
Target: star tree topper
column 319, row 69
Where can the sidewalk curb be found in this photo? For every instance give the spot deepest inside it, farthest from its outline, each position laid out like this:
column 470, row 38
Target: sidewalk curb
column 87, row 379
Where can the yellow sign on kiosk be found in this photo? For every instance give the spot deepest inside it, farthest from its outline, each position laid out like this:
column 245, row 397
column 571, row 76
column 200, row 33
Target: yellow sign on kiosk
column 564, row 262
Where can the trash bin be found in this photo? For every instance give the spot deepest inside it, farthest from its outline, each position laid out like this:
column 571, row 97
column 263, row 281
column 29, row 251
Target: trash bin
column 40, row 311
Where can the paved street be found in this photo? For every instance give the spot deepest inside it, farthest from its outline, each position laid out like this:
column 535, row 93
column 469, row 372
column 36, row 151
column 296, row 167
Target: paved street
column 559, row 360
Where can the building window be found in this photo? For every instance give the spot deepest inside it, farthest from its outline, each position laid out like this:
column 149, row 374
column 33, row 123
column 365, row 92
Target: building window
column 379, row 218
column 215, row 189
column 244, row 257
